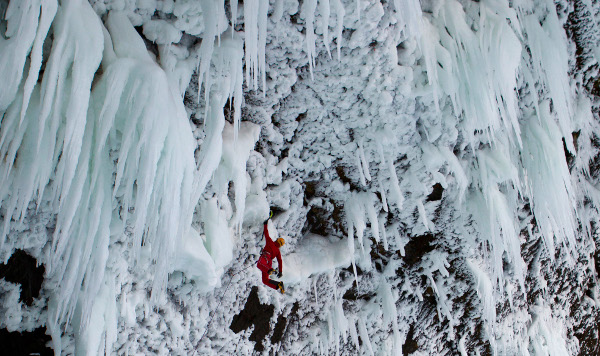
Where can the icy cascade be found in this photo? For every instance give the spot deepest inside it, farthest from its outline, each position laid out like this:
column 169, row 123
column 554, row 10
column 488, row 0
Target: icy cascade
column 158, row 184
column 213, row 26
column 21, row 38
column 53, row 141
column 226, row 74
column 64, row 146
column 480, row 72
column 499, row 185
column 322, row 8
column 233, row 167
column 255, row 25
column 410, row 16
column 553, row 196
column 477, row 70
column 488, row 151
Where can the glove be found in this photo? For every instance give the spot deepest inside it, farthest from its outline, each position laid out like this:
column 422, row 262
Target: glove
column 269, row 218
column 279, row 274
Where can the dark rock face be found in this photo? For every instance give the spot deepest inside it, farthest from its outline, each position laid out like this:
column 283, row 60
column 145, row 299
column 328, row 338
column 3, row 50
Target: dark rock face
column 23, row 269
column 255, row 314
column 283, row 324
column 417, row 247
column 25, row 343
column 410, row 345
column 436, row 192
column 259, row 315
column 279, row 329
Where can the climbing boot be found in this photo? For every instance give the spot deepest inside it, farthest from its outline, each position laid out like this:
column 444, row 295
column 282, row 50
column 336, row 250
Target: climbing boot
column 280, row 287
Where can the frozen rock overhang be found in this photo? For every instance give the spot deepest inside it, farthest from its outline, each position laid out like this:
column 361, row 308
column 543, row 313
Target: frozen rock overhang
column 143, row 143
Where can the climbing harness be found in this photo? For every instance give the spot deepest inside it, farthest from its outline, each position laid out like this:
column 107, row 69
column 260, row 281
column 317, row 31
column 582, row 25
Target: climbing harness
column 263, row 261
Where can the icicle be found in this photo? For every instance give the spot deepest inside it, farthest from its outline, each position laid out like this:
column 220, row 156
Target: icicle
column 354, row 334
column 278, row 10
column 233, row 5
column 233, row 166
column 325, row 12
column 430, row 40
column 461, row 177
column 262, row 42
column 48, row 12
column 251, row 9
column 364, row 336
column 255, row 25
column 381, row 177
column 549, row 179
column 360, row 168
column 21, row 24
column 495, row 216
column 550, row 62
column 409, row 15
column 355, row 212
column 383, row 195
column 485, row 292
column 111, row 315
column 368, row 201
column 396, row 192
column 462, row 347
column 384, row 233
column 350, row 216
column 330, row 328
column 209, row 14
column 363, row 160
column 53, row 326
column 340, row 324
column 308, row 11
column 65, row 131
column 423, row 214
column 339, row 28
column 390, row 314
column 489, row 99
column 228, row 73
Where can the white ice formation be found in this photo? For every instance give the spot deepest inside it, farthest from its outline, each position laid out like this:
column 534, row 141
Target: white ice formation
column 436, row 179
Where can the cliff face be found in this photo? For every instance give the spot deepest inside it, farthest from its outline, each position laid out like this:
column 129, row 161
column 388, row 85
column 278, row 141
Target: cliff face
column 432, row 166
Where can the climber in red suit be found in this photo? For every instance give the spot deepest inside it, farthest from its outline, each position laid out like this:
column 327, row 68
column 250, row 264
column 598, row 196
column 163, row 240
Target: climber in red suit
column 265, row 262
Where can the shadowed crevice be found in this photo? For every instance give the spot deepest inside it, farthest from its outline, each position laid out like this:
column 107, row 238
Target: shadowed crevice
column 25, row 343
column 23, row 269
column 257, row 314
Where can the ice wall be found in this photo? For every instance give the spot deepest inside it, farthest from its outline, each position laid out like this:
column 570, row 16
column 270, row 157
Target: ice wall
column 101, row 134
column 115, row 159
column 520, row 155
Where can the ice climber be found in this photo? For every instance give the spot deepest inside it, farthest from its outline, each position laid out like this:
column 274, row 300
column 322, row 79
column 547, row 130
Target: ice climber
column 265, row 262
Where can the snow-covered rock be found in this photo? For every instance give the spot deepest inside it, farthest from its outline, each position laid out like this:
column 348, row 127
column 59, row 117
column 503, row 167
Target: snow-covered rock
column 436, row 178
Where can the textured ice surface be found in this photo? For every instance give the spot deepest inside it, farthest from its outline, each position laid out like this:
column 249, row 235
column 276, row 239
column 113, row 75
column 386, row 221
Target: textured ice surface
column 436, row 180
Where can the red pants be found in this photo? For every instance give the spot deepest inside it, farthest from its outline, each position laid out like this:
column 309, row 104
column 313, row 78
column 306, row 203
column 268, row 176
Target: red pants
column 264, row 268
column 267, row 281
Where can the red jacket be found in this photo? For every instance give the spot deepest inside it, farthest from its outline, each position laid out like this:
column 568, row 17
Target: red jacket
column 271, row 248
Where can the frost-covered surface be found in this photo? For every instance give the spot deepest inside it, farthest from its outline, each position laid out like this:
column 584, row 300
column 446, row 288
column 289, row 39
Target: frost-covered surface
column 433, row 166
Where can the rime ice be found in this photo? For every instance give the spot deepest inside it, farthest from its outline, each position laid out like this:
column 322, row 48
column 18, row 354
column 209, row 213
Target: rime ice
column 435, row 179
